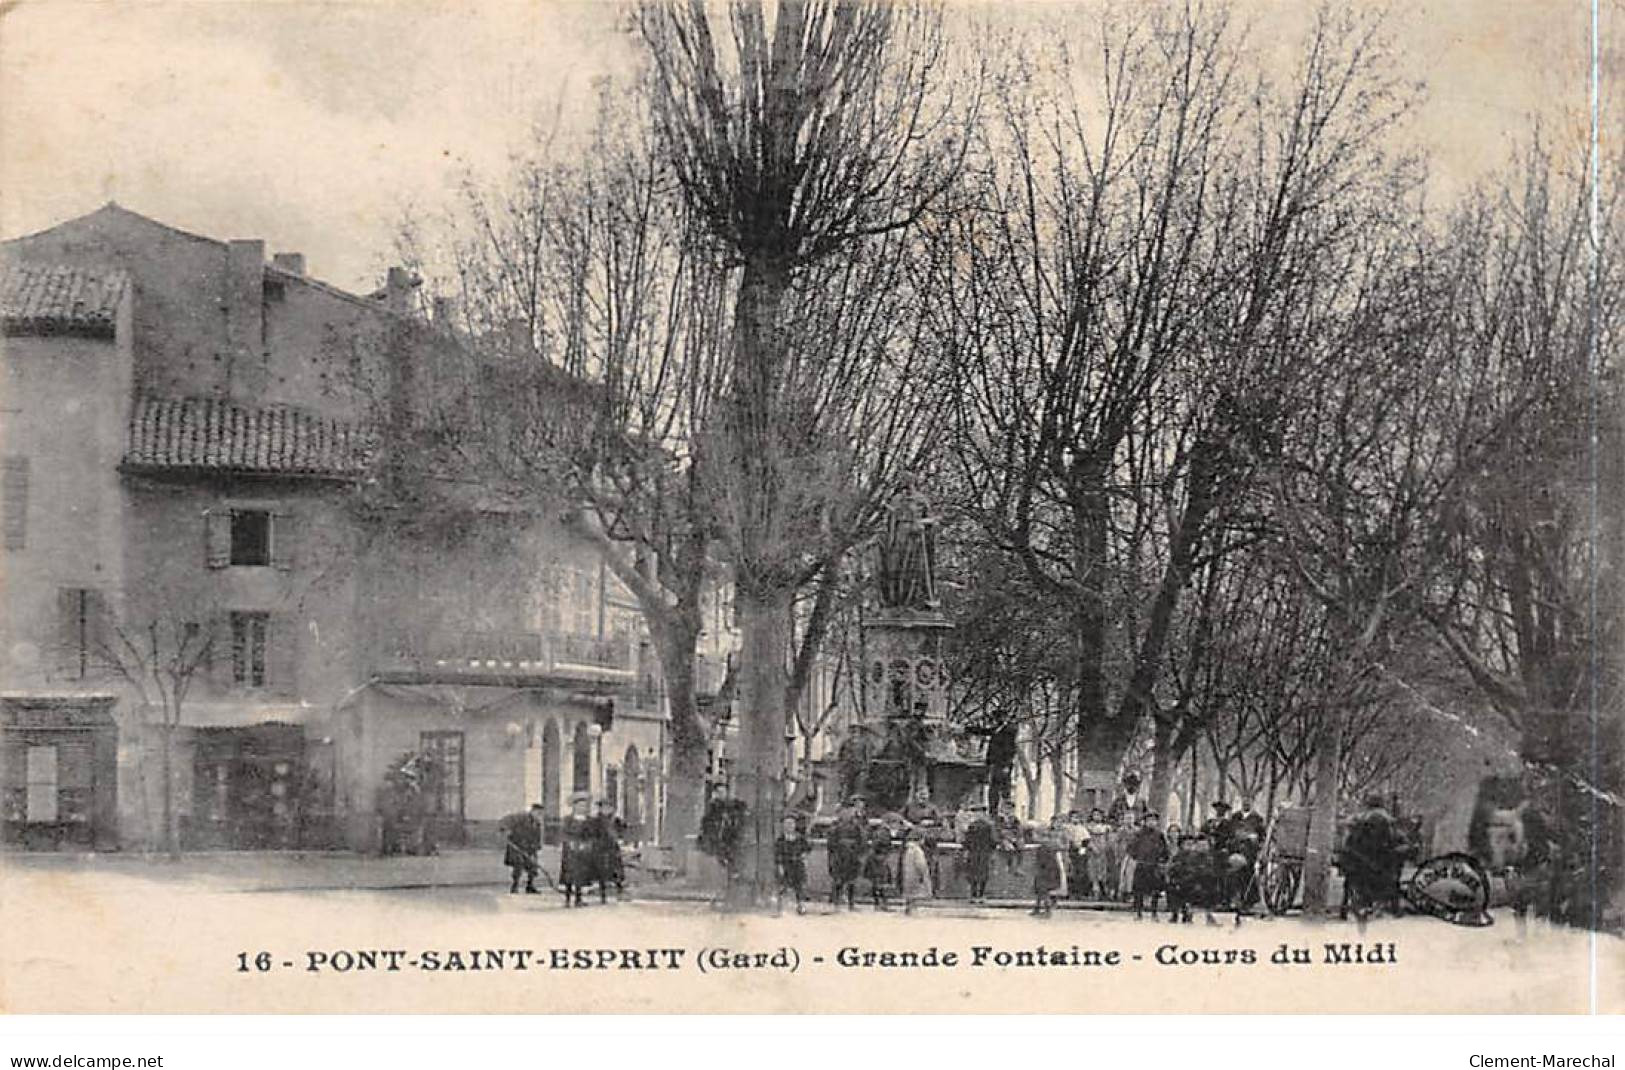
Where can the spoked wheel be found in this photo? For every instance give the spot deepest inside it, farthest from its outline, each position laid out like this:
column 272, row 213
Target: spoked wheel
column 1282, row 881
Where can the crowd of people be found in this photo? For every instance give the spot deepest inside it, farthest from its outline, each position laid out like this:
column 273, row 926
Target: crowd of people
column 1126, row 854
column 1117, row 854
column 1122, row 853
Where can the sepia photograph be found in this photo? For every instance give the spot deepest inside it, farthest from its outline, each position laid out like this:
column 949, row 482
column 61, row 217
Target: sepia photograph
column 812, row 507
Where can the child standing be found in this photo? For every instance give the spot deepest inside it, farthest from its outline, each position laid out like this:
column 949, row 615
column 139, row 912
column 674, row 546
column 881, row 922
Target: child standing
column 790, row 851
column 879, row 869
column 916, row 871
column 1149, row 851
column 1046, row 875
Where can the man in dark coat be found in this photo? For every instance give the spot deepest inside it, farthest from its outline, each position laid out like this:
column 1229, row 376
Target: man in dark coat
column 979, row 841
column 1370, row 860
column 1191, row 879
column 608, row 866
column 848, row 845
column 880, row 865
column 523, row 834
column 576, row 868
column 1149, row 850
column 1130, row 806
column 1249, row 821
column 1246, row 842
column 1219, row 828
column 722, row 831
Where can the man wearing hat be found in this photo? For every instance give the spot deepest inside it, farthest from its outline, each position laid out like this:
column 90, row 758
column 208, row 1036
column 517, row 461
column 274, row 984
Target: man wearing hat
column 576, row 869
column 722, row 833
column 1130, row 806
column 608, row 866
column 1219, row 828
column 1247, row 831
column 848, row 845
column 979, row 841
column 1370, row 860
column 1149, row 850
column 1220, row 832
column 523, row 833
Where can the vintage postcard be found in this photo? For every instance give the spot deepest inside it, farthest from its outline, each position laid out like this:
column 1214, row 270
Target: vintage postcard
column 811, row 506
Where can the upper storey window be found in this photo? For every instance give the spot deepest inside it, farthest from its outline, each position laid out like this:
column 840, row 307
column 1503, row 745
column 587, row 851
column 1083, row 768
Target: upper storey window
column 250, row 537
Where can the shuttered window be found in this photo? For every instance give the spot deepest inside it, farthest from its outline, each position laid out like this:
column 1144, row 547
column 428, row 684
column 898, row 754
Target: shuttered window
column 217, row 538
column 284, row 539
column 249, row 632
column 14, row 501
column 250, row 538
column 81, row 631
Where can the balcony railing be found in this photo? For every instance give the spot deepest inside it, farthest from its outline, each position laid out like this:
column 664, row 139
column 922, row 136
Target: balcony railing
column 502, row 654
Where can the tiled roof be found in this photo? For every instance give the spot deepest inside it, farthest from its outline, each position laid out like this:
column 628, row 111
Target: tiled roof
column 204, row 433
column 60, row 300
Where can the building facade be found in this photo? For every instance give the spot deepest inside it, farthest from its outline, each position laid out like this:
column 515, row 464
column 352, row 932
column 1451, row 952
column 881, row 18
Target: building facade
column 208, row 624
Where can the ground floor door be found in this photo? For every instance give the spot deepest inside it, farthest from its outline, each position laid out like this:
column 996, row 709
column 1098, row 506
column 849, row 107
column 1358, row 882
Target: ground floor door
column 58, row 772
column 247, row 787
column 443, row 786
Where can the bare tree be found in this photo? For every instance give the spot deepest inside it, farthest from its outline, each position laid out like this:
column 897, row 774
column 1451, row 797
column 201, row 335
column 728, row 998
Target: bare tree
column 1532, row 610
column 801, row 136
column 1137, row 293
column 589, row 314
column 159, row 660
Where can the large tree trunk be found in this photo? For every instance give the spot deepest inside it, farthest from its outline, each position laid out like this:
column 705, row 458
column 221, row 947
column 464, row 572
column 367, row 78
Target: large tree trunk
column 171, row 834
column 1058, row 770
column 1100, row 745
column 685, row 788
column 758, row 499
column 1190, row 800
column 759, row 767
column 1202, row 484
column 1164, row 760
column 1317, row 861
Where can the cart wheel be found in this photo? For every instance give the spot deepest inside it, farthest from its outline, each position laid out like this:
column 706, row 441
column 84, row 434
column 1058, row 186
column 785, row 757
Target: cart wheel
column 1281, row 887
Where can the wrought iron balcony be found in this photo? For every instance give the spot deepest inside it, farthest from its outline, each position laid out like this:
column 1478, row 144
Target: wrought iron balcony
column 531, row 656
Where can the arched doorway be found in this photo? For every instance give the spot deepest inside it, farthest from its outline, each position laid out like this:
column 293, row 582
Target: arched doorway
column 581, row 765
column 551, row 767
column 632, row 810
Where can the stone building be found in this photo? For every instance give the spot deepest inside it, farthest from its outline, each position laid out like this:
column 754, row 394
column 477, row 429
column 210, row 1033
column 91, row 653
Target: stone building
column 190, row 460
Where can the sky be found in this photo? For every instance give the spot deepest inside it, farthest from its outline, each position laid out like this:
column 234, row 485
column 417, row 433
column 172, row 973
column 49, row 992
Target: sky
column 315, row 124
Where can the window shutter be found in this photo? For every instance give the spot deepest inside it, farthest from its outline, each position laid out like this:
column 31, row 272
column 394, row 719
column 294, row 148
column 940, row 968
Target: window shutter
column 285, row 532
column 14, row 492
column 217, row 537
column 220, row 652
column 67, row 631
column 282, row 654
column 99, row 636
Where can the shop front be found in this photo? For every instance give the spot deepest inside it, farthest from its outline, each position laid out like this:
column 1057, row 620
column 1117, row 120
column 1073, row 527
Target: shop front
column 59, row 771
column 249, row 788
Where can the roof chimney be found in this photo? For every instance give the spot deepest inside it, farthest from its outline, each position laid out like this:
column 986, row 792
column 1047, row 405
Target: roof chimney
column 292, row 263
column 244, row 298
column 518, row 337
column 445, row 312
column 399, row 285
